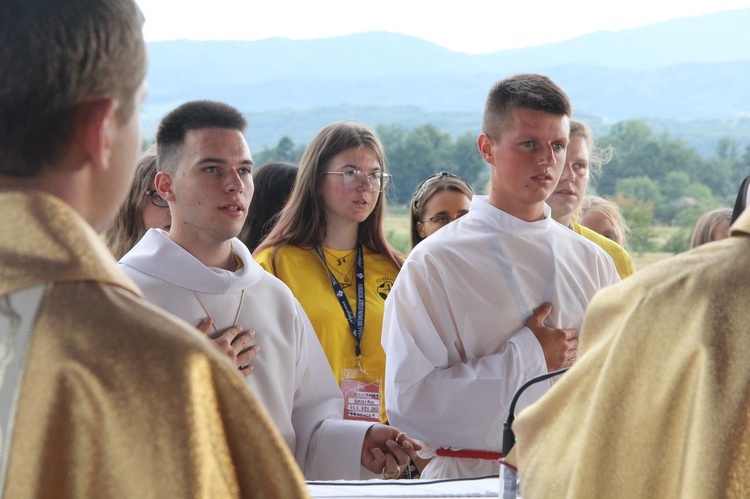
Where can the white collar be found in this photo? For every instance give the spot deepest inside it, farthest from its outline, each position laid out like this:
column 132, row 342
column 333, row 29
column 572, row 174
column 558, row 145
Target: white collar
column 158, row 256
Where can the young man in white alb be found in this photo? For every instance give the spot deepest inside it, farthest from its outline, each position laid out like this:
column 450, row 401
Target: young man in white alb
column 494, row 298
column 201, row 269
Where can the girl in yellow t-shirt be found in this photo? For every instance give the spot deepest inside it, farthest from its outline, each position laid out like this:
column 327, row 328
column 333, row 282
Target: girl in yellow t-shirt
column 328, row 246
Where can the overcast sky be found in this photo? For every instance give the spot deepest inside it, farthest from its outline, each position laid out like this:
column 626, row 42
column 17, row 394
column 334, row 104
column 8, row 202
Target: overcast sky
column 471, row 26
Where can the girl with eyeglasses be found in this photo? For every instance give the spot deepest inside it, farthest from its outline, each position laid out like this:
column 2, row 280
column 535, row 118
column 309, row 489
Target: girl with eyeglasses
column 439, row 200
column 329, row 247
column 143, row 209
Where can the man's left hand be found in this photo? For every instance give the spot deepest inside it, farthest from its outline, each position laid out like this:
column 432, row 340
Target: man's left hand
column 387, row 450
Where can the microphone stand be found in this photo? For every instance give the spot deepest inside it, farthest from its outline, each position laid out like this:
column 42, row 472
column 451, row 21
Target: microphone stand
column 509, row 479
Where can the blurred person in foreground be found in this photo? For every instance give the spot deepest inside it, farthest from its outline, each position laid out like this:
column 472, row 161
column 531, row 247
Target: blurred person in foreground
column 101, row 394
column 657, row 403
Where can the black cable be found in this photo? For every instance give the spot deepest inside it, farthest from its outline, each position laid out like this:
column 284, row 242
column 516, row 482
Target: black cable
column 509, row 438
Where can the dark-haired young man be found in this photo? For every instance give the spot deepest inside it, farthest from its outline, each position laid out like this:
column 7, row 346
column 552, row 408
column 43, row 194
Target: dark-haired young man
column 463, row 325
column 200, row 268
column 101, row 394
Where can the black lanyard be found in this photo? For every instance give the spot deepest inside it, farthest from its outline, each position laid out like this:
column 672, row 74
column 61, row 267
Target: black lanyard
column 357, row 324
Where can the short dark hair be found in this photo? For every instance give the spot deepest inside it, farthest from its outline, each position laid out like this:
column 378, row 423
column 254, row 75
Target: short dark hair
column 193, row 115
column 524, row 90
column 56, row 55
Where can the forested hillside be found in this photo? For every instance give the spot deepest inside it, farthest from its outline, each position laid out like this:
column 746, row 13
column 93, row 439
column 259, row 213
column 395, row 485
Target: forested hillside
column 656, row 179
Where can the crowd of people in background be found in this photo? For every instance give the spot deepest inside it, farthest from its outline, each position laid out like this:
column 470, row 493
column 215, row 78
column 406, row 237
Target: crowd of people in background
column 256, row 328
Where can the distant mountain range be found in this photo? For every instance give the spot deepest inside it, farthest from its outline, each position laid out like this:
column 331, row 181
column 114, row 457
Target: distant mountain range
column 682, row 70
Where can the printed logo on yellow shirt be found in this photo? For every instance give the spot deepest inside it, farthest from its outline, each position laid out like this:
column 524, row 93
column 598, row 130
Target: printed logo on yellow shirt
column 384, row 286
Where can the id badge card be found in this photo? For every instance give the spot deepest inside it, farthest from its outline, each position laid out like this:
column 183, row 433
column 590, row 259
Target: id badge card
column 362, row 395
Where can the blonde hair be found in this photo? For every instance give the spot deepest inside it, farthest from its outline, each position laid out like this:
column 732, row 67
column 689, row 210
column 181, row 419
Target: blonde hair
column 608, row 209
column 127, row 228
column 706, row 225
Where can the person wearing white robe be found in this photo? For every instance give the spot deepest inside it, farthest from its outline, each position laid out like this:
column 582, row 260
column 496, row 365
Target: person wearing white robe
column 291, row 377
column 465, row 293
column 494, row 298
column 200, row 269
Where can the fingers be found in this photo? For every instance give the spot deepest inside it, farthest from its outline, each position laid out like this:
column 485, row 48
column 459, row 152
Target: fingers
column 244, row 360
column 392, row 469
column 234, row 340
column 206, row 325
column 540, row 314
column 571, row 334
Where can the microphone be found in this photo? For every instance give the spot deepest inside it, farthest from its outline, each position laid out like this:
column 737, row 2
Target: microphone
column 509, row 480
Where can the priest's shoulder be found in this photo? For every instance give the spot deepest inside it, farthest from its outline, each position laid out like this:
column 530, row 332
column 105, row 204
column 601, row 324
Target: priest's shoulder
column 138, row 321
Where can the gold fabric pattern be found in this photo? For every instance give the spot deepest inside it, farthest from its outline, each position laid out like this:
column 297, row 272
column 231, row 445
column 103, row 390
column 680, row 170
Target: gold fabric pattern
column 118, row 400
column 658, row 403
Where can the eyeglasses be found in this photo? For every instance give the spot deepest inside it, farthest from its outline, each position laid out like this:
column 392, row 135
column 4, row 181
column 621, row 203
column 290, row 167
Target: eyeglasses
column 156, row 199
column 355, row 179
column 442, row 219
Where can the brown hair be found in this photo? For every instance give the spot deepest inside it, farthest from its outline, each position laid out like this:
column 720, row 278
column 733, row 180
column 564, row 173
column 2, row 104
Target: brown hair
column 442, row 181
column 54, row 57
column 274, row 183
column 524, row 90
column 302, row 222
column 127, row 227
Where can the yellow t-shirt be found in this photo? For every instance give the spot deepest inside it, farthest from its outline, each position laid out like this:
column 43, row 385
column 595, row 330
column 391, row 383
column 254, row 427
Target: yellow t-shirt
column 306, row 275
column 623, row 260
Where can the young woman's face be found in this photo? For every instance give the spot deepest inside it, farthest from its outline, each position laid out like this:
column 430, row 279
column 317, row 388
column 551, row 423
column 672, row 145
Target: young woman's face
column 442, row 208
column 155, row 217
column 344, row 202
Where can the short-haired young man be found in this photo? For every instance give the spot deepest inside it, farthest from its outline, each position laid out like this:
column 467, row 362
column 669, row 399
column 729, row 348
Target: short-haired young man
column 200, row 268
column 101, row 395
column 494, row 298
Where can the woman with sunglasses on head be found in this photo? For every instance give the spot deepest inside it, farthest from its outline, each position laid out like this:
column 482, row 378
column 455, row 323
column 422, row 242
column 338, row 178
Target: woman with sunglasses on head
column 328, row 246
column 439, row 200
column 143, row 209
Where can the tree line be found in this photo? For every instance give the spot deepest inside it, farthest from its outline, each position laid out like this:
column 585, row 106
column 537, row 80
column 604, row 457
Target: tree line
column 657, row 180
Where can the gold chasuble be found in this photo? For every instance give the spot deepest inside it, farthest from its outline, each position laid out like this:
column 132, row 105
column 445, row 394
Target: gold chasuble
column 110, row 397
column 658, row 403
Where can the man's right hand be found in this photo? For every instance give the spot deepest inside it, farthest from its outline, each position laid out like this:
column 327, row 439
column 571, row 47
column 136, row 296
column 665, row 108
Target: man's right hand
column 560, row 346
column 234, row 343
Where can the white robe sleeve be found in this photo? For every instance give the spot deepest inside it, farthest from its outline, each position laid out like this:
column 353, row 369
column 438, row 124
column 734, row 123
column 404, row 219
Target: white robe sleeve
column 328, row 447
column 432, row 394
